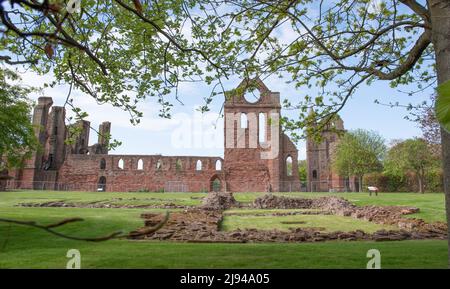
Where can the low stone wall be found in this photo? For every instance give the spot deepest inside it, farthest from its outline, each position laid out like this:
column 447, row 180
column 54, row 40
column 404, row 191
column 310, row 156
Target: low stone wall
column 103, row 205
column 387, row 215
column 270, row 201
column 219, row 201
column 198, row 225
column 202, row 223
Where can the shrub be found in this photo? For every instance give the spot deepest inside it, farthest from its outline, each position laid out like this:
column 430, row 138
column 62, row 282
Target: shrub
column 434, row 181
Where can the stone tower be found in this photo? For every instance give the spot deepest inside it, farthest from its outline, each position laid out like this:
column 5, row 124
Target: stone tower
column 255, row 147
column 103, row 136
column 40, row 119
column 40, row 171
column 320, row 175
column 55, row 147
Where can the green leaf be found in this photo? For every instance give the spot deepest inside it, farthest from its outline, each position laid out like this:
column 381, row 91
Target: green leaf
column 443, row 105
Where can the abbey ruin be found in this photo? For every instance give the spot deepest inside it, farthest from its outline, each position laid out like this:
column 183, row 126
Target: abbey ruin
column 258, row 156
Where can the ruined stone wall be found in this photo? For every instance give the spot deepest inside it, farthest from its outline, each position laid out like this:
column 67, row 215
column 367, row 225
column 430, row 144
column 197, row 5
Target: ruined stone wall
column 55, row 147
column 320, row 175
column 50, row 132
column 80, row 145
column 289, row 180
column 40, row 119
column 158, row 173
column 253, row 162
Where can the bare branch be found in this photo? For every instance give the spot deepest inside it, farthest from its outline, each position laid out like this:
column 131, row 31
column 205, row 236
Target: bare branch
column 67, row 40
column 418, row 9
column 114, row 235
column 7, row 60
column 171, row 39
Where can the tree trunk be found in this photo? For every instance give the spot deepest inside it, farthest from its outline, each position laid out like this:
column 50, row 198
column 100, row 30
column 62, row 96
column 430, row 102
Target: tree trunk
column 420, row 179
column 440, row 11
column 360, row 184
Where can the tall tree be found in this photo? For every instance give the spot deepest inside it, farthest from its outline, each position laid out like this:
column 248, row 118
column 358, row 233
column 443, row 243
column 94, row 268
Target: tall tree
column 425, row 117
column 411, row 155
column 17, row 139
column 302, row 170
column 359, row 152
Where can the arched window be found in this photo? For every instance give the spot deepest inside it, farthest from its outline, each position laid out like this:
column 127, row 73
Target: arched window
column 244, row 120
column 218, row 165
column 262, row 128
column 289, row 166
column 198, row 166
column 140, row 165
column 101, row 187
column 158, row 165
column 121, row 164
column 314, row 174
column 178, row 165
column 102, row 164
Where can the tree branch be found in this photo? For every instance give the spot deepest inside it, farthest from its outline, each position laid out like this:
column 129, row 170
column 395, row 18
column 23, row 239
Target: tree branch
column 7, row 60
column 67, row 40
column 418, row 9
column 170, row 38
column 114, row 235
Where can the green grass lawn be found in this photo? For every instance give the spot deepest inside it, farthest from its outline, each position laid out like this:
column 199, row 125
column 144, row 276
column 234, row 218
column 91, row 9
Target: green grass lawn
column 431, row 204
column 25, row 247
column 327, row 223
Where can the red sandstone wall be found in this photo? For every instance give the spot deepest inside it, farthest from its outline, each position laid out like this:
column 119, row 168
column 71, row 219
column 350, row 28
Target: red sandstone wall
column 246, row 169
column 82, row 172
column 289, row 183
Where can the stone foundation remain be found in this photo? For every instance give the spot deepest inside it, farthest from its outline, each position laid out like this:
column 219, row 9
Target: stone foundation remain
column 219, row 201
column 203, row 224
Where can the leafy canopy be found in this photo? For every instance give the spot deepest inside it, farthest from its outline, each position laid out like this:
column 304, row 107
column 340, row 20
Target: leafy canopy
column 443, row 105
column 359, row 152
column 410, row 155
column 17, row 139
column 122, row 52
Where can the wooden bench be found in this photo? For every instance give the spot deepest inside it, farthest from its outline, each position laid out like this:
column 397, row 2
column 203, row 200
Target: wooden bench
column 373, row 190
